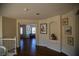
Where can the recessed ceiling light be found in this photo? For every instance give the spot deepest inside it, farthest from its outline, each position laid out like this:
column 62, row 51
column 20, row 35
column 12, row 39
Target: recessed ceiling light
column 26, row 9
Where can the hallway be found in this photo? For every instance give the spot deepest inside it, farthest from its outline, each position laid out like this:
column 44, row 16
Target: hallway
column 28, row 48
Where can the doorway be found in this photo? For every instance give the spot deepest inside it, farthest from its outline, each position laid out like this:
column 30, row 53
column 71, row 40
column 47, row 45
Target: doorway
column 28, row 31
column 28, row 39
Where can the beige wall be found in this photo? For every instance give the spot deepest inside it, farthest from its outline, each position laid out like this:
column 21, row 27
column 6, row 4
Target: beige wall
column 8, row 27
column 56, row 20
column 0, row 30
column 0, row 26
column 66, row 48
column 77, row 35
column 7, row 32
column 44, row 38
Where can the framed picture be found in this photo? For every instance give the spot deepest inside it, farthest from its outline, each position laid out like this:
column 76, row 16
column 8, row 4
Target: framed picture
column 70, row 41
column 43, row 28
column 65, row 21
column 68, row 30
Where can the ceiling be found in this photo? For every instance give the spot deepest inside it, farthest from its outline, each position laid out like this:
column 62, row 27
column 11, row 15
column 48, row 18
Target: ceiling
column 35, row 10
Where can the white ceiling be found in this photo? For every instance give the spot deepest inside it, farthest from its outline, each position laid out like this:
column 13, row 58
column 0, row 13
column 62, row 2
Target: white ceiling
column 46, row 10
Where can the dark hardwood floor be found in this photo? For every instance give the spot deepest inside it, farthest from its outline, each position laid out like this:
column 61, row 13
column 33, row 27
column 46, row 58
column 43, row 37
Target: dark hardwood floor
column 28, row 48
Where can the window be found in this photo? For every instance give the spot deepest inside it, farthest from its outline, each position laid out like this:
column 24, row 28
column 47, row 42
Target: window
column 21, row 30
column 33, row 30
column 28, row 29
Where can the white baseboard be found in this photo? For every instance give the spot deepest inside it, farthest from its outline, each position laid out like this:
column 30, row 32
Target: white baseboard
column 66, row 53
column 69, row 53
column 58, row 50
column 49, row 47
